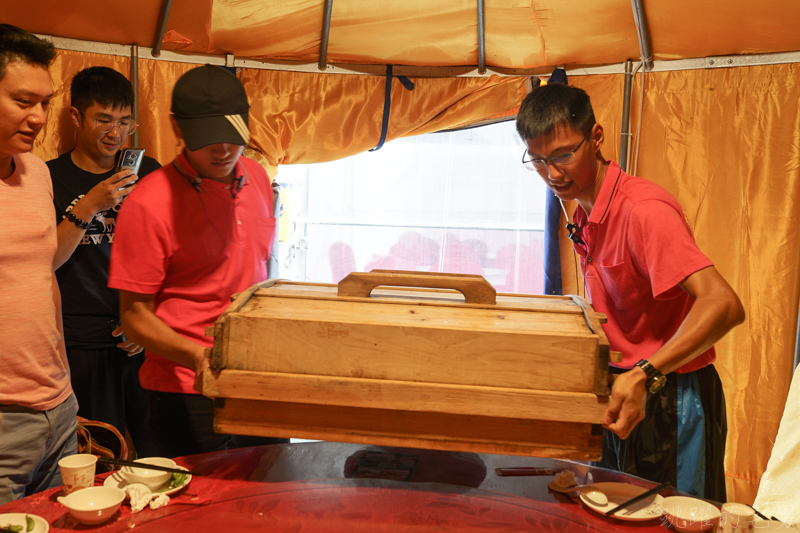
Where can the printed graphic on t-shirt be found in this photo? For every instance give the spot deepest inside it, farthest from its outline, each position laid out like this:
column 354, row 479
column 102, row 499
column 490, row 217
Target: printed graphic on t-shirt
column 101, row 228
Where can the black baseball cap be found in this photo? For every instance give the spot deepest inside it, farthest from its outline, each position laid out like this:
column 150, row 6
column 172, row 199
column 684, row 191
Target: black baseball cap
column 210, row 105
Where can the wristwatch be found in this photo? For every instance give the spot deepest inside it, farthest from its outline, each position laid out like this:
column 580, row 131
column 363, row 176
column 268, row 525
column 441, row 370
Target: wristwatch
column 655, row 379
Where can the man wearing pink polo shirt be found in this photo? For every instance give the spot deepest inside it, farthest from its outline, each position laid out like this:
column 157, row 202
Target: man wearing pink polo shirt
column 666, row 303
column 37, row 407
column 192, row 234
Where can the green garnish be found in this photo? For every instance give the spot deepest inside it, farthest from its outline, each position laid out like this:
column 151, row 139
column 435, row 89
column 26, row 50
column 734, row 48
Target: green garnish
column 175, row 481
column 30, row 524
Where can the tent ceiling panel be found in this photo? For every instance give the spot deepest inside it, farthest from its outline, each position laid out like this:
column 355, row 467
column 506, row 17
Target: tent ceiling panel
column 110, row 21
column 520, row 34
column 687, row 28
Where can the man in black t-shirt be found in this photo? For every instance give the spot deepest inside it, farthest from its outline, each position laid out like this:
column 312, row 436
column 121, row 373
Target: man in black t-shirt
column 88, row 194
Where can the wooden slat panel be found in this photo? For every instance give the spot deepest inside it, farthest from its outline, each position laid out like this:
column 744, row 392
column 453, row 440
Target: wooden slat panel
column 411, row 429
column 218, row 355
column 405, row 396
column 410, row 314
column 470, row 355
column 441, row 298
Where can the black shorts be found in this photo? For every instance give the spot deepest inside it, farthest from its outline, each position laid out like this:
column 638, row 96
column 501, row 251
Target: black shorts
column 680, row 440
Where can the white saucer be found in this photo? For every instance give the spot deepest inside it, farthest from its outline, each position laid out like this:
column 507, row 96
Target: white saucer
column 118, row 480
column 18, row 519
column 618, row 493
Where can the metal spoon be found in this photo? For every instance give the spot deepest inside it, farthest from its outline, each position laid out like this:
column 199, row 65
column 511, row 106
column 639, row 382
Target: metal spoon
column 591, row 492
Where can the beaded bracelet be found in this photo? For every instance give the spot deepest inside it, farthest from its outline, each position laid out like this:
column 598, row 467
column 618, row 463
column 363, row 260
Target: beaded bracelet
column 77, row 221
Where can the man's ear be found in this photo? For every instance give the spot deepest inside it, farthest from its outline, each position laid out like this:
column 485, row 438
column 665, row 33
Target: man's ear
column 175, row 128
column 75, row 115
column 598, row 136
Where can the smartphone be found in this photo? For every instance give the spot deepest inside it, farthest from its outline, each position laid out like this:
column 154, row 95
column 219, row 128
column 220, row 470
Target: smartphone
column 130, row 159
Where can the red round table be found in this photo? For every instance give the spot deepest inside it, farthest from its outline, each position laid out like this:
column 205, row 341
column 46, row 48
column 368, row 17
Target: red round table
column 333, row 487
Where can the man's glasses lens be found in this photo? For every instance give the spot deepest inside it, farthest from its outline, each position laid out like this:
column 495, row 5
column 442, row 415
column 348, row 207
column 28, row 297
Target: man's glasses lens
column 541, row 164
column 104, row 125
column 561, row 159
column 126, row 127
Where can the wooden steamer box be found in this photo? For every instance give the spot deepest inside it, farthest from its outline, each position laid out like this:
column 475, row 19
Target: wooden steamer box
column 427, row 360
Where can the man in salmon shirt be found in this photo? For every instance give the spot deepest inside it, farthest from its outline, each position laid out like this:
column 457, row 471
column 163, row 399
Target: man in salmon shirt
column 37, row 407
column 192, row 234
column 666, row 303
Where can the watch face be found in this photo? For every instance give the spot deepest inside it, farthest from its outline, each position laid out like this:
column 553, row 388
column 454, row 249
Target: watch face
column 657, row 384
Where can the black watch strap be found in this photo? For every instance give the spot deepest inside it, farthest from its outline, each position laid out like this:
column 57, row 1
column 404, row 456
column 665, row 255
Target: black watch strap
column 655, row 379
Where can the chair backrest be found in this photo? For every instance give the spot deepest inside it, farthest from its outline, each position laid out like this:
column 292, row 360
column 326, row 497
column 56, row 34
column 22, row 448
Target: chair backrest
column 101, row 439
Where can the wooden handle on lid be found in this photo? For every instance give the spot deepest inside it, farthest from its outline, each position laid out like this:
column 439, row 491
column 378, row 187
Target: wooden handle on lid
column 476, row 289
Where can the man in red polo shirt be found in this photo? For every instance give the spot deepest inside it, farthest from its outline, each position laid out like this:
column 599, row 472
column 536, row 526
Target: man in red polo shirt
column 192, row 234
column 666, row 303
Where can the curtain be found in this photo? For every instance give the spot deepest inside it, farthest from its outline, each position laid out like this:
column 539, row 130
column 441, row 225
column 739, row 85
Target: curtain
column 295, row 117
column 313, row 118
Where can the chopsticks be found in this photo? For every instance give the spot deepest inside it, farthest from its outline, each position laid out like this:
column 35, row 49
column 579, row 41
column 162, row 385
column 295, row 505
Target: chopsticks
column 119, row 462
column 527, row 471
column 759, row 514
column 638, row 498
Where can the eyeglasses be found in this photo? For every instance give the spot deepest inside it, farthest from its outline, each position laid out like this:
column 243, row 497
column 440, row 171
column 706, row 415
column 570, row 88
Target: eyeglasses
column 559, row 159
column 104, row 125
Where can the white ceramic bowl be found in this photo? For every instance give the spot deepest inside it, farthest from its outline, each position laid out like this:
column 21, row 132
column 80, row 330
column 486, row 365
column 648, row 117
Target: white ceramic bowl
column 152, row 478
column 93, row 505
column 690, row 514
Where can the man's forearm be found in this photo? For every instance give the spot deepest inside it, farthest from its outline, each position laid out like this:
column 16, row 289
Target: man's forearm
column 61, row 347
column 69, row 237
column 143, row 327
column 716, row 310
column 69, row 234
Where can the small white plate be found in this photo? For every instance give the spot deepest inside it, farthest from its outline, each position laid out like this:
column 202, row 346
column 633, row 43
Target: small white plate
column 118, row 479
column 18, row 519
column 618, row 493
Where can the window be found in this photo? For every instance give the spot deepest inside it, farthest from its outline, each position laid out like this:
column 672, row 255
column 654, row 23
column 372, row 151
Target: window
column 448, row 202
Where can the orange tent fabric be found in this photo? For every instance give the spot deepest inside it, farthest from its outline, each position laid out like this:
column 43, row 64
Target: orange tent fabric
column 519, row 33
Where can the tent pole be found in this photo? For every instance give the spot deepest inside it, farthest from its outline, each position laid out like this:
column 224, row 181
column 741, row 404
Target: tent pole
column 625, row 136
column 641, row 30
column 162, row 27
column 481, row 40
column 135, row 83
column 326, row 31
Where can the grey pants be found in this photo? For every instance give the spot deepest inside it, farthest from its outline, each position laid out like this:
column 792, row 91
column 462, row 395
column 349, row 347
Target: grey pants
column 31, row 444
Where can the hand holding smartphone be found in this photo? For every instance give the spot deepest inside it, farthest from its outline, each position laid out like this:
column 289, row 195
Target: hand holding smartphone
column 130, row 159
